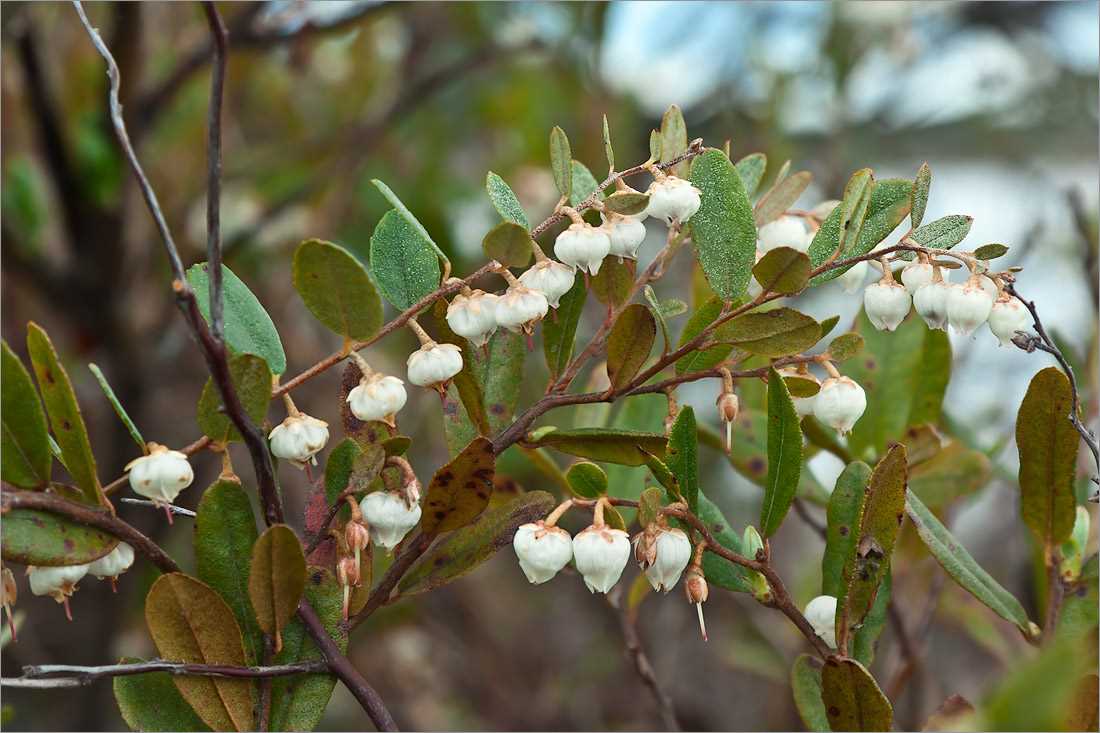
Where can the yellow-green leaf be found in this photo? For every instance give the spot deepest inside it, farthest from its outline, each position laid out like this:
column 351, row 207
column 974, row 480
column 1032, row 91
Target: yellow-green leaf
column 782, row 270
column 774, row 333
column 505, row 201
column 337, row 289
column 561, row 158
column 625, row 447
column 587, row 480
column 25, row 458
column 252, row 380
column 629, row 344
column 402, row 261
column 674, row 137
column 627, row 203
column 921, row 184
column 853, row 700
column 751, row 170
column 276, row 579
column 460, row 490
column 806, row 688
column 682, row 456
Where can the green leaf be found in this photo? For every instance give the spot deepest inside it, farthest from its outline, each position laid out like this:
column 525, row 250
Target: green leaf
column 629, row 343
column 864, row 569
column 505, row 200
column 403, row 261
column 584, row 184
column 943, row 233
column 674, row 137
column 463, row 550
column 276, row 579
column 613, row 284
column 252, row 380
column 559, row 332
column 828, row 325
column 853, row 207
column 587, row 480
column 248, row 327
column 509, row 244
column 190, row 623
column 410, row 219
column 845, row 346
column 627, row 203
column 1047, row 443
column 959, row 564
column 853, row 701
column 32, row 537
column 782, row 270
column 151, row 702
column 607, row 149
column 460, row 490
column 561, row 158
column 843, row 517
column 806, row 688
column 717, row 570
column 499, row 376
column 104, row 385
column 921, row 184
column 888, row 205
column 723, row 228
column 337, row 289
column 904, row 374
column 654, row 145
column 774, row 333
column 750, row 169
column 64, row 413
column 704, row 358
column 25, row 457
column 649, row 503
column 781, row 197
column 682, row 456
column 601, row 444
column 784, row 456
column 655, row 306
column 990, row 251
column 865, row 638
column 225, row 531
column 1038, row 694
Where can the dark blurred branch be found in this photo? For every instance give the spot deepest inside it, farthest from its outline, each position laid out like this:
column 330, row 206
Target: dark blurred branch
column 214, row 171
column 42, row 676
column 1088, row 235
column 628, row 624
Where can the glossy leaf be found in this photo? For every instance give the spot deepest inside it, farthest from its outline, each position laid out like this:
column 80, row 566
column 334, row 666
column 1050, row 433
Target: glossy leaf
column 682, row 456
column 921, row 184
column 629, row 343
column 505, row 201
column 276, row 579
column 32, row 537
column 463, row 550
column 403, row 261
column 584, row 184
column 628, row 203
column 509, row 244
column 252, row 380
column 613, row 284
column 190, row 623
column 25, row 457
column 773, row 333
column 784, row 456
column 587, row 480
column 843, row 517
column 962, row 567
column 337, row 289
column 559, row 332
column 781, row 197
column 601, row 444
column 806, row 688
column 64, row 414
column 1047, row 444
column 561, row 158
column 151, row 702
column 751, row 171
column 990, row 251
column 723, row 228
column 460, row 490
column 248, row 327
column 782, row 270
column 116, row 405
column 853, row 700
column 888, row 205
column 225, row 531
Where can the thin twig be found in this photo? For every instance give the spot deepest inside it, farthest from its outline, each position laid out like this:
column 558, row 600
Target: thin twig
column 214, row 170
column 159, row 507
column 42, row 676
column 381, row 593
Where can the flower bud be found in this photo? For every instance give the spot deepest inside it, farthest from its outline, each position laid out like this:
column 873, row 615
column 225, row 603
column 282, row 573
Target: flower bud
column 1007, row 316
column 113, row 564
column 931, row 304
column 854, row 277
column 377, row 397
column 356, row 536
column 751, row 544
column 473, row 316
column 786, row 231
column 434, row 364
column 388, row 517
column 298, row 439
column 697, row 591
column 672, row 199
column 916, row 275
column 601, row 554
column 671, row 553
column 821, row 613
column 161, row 475
column 840, row 403
column 626, row 234
column 520, row 308
column 968, row 306
column 347, row 574
column 886, row 304
column 583, row 246
column 729, row 406
column 552, row 279
column 56, row 582
column 542, row 550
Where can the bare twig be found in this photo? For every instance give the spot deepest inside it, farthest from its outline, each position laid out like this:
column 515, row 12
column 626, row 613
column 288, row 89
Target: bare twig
column 214, row 170
column 42, row 676
column 634, row 649
column 178, row 510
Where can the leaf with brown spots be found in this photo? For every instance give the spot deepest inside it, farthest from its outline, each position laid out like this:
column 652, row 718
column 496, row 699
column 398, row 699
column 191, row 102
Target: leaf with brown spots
column 852, row 698
column 460, row 490
column 31, row 537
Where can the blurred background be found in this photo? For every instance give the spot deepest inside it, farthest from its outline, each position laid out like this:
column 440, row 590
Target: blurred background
column 999, row 98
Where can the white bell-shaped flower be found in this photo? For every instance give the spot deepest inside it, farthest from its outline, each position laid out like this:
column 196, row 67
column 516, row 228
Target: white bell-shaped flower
column 626, row 234
column 672, row 199
column 542, row 550
column 601, row 553
column 786, row 231
column 840, row 403
column 388, row 517
column 377, row 397
column 931, row 304
column 583, row 246
column 521, row 307
column 298, row 439
column 473, row 316
column 114, row 563
column 56, row 582
column 673, row 553
column 886, row 304
column 988, row 285
column 916, row 275
column 434, row 364
column 161, row 475
column 968, row 306
column 552, row 279
column 853, row 278
column 1007, row 316
column 821, row 613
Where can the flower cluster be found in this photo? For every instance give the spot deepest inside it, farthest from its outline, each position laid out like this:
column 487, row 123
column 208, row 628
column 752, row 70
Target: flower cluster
column 59, row 582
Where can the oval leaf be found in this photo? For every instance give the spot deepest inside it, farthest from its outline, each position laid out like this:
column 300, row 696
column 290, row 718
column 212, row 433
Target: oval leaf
column 784, row 456
column 806, row 687
column 888, row 203
column 943, row 233
column 782, row 270
column 584, row 184
column 509, row 244
column 845, row 346
column 612, row 286
column 774, row 333
column 276, row 579
column 629, row 344
column 723, row 228
column 190, row 623
column 337, row 289
column 627, row 203
column 990, row 251
column 252, row 380
column 704, row 358
column 25, row 457
column 853, row 701
column 624, row 447
column 403, row 260
column 921, row 184
column 561, row 159
column 460, row 490
column 32, row 537
column 587, row 480
column 505, row 201
column 751, row 171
